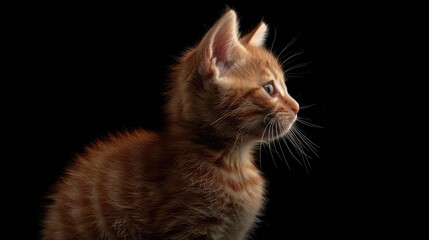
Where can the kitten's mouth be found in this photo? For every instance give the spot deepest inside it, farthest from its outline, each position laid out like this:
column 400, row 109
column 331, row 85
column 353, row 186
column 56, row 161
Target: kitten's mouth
column 277, row 126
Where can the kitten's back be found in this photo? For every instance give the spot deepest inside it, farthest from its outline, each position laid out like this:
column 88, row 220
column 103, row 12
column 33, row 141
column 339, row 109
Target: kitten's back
column 101, row 184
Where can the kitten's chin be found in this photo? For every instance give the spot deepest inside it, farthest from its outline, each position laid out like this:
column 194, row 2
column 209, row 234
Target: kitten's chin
column 281, row 133
column 278, row 129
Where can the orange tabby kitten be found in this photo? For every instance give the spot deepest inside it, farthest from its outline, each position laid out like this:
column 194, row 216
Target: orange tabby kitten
column 196, row 179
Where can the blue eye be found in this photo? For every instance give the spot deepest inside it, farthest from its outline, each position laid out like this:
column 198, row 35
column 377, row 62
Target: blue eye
column 269, row 88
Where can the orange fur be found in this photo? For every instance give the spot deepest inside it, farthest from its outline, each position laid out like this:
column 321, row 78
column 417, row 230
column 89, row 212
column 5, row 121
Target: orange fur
column 196, row 179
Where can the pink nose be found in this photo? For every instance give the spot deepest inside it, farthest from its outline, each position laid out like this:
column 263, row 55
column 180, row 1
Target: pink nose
column 295, row 109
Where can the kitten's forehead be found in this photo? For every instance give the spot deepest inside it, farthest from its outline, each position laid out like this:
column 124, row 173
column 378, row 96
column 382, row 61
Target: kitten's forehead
column 272, row 73
column 270, row 65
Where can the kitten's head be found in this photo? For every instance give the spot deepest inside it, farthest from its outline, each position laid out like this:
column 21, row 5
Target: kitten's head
column 232, row 85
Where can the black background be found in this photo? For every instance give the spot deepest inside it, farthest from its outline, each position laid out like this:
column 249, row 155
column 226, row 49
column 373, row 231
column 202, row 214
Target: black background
column 83, row 71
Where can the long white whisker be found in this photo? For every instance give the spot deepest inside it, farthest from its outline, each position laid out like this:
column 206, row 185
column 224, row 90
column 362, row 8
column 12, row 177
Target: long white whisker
column 267, row 116
column 270, row 137
column 274, row 39
column 279, row 129
column 281, row 149
column 236, row 138
column 301, row 152
column 294, row 76
column 275, row 146
column 301, row 134
column 290, row 150
column 289, row 44
column 290, row 57
column 296, row 66
column 306, row 164
column 308, row 123
column 297, row 143
column 304, row 107
column 305, row 157
column 308, row 143
column 263, row 141
column 222, row 117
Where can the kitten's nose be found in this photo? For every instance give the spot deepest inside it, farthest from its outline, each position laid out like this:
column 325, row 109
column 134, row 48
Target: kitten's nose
column 294, row 106
column 295, row 109
column 291, row 103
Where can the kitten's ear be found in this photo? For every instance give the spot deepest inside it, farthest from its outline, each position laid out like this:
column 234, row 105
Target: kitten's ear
column 257, row 36
column 221, row 46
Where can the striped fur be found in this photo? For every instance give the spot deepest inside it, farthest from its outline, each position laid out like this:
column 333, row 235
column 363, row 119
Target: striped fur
column 195, row 179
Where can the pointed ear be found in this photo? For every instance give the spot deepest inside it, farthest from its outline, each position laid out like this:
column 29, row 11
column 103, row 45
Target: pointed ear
column 257, row 36
column 221, row 45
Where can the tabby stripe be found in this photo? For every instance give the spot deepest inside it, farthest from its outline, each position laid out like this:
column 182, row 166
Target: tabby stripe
column 76, row 201
column 230, row 168
column 64, row 224
column 239, row 186
column 57, row 222
column 87, row 218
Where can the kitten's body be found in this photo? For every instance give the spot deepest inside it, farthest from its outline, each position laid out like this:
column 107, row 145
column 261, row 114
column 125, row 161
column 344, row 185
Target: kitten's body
column 196, row 179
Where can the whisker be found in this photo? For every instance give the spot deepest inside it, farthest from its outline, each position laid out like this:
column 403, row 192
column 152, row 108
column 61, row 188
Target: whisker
column 308, row 123
column 308, row 143
column 307, row 106
column 305, row 118
column 296, row 142
column 262, row 142
column 290, row 151
column 305, row 162
column 297, row 66
column 301, row 133
column 236, row 137
column 274, row 39
column 307, row 165
column 222, row 117
column 279, row 129
column 281, row 149
column 299, row 95
column 275, row 146
column 295, row 76
column 289, row 44
column 267, row 116
column 269, row 138
column 305, row 157
column 300, row 148
column 290, row 57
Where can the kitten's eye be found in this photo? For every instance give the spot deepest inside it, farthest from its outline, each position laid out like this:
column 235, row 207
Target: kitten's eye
column 269, row 88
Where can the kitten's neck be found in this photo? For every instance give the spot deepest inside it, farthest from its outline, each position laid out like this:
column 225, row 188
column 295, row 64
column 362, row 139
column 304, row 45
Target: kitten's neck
column 207, row 137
